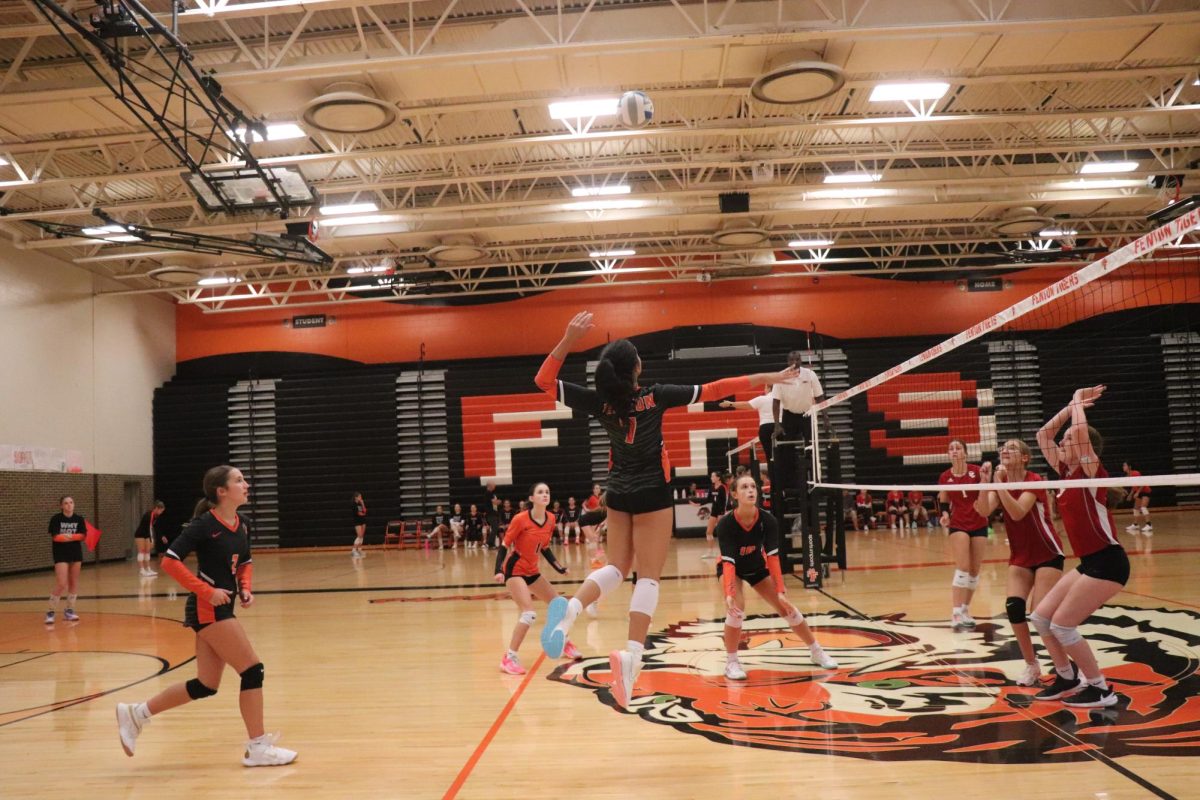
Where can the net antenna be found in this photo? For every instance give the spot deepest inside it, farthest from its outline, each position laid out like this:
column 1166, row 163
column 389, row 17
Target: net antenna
column 157, row 81
column 1105, row 323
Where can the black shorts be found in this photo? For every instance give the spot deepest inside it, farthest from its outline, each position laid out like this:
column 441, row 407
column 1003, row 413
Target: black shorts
column 895, row 509
column 139, row 535
column 1055, row 563
column 978, row 533
column 643, row 501
column 67, row 552
column 1109, row 564
column 530, row 580
column 752, row 578
column 198, row 620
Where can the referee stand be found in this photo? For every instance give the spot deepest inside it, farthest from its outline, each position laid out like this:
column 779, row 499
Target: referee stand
column 798, row 509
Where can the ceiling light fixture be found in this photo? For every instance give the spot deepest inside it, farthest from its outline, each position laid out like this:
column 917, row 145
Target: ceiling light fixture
column 815, row 242
column 218, row 281
column 853, row 177
column 898, row 92
column 582, row 109
column 1104, row 167
column 1055, row 233
column 601, row 191
column 349, row 208
column 846, row 194
column 276, row 132
column 612, row 253
column 100, row 231
column 366, row 219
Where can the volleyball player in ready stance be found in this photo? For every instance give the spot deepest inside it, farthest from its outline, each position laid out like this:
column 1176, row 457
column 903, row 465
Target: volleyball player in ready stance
column 221, row 542
column 749, row 539
column 640, row 505
column 1103, row 565
column 968, row 533
column 527, row 537
column 1035, row 555
column 1140, row 498
column 360, row 525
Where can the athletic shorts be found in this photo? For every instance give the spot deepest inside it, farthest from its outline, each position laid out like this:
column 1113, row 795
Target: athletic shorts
column 1054, row 563
column 191, row 616
column 752, row 578
column 642, row 501
column 978, row 533
column 1109, row 564
column 591, row 518
column 67, row 552
column 530, row 580
column 895, row 509
column 139, row 535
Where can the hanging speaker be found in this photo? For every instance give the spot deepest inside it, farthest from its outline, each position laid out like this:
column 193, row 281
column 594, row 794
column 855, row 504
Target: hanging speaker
column 734, row 202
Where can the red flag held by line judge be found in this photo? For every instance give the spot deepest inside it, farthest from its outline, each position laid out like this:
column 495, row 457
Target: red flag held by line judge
column 93, row 536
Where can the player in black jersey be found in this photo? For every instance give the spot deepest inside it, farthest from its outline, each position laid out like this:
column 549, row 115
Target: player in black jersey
column 718, row 504
column 143, row 537
column 68, row 531
column 570, row 521
column 749, row 541
column 360, row 525
column 640, row 505
column 221, row 542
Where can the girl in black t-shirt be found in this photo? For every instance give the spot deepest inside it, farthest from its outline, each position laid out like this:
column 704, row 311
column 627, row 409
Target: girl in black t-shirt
column 440, row 527
column 67, row 532
column 221, row 542
column 144, row 538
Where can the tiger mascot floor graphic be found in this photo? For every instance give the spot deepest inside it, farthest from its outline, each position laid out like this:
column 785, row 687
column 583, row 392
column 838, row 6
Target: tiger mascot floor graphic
column 909, row 690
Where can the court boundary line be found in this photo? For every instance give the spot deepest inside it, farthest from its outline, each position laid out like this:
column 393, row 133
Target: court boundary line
column 1063, row 735
column 465, row 773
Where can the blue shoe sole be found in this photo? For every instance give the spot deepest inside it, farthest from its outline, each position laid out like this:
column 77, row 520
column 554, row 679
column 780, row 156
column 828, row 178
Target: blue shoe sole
column 554, row 640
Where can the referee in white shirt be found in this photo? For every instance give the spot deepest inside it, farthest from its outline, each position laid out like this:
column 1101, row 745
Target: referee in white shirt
column 790, row 402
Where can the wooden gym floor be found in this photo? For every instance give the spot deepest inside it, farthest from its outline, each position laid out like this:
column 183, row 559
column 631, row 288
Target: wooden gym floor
column 384, row 676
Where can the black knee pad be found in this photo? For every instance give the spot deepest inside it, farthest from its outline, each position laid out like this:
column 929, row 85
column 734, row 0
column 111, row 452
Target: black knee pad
column 1015, row 606
column 197, row 690
column 252, row 677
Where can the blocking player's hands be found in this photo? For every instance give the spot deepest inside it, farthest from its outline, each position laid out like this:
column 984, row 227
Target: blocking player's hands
column 219, row 597
column 985, row 472
column 1088, row 395
column 578, row 327
column 783, row 376
column 1001, row 473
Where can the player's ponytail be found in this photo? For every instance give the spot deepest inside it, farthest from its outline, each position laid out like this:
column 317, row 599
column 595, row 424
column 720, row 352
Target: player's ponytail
column 202, row 508
column 615, row 376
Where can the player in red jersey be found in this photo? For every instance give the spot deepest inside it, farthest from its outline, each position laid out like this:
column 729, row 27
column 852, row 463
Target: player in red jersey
column 968, row 532
column 639, row 498
column 1035, row 555
column 1140, row 495
column 1103, row 565
column 526, row 538
column 864, row 509
column 749, row 540
column 221, row 542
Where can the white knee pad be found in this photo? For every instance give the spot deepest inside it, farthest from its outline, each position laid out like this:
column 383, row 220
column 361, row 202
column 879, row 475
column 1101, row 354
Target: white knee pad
column 527, row 617
column 645, row 597
column 1067, row 636
column 973, row 582
column 607, row 578
column 795, row 618
column 733, row 620
column 1040, row 623
column 962, row 579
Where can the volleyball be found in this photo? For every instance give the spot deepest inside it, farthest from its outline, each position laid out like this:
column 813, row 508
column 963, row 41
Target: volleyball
column 635, row 109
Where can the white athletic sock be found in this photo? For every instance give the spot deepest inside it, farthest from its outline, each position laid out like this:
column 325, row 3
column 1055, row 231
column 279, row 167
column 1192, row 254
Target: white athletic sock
column 141, row 712
column 573, row 609
column 731, row 657
column 54, row 602
column 635, row 649
column 1098, row 682
column 71, row 598
column 1065, row 672
column 512, row 654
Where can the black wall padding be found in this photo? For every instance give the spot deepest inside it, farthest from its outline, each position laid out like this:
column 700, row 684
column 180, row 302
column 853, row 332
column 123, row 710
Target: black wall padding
column 190, row 436
column 336, row 435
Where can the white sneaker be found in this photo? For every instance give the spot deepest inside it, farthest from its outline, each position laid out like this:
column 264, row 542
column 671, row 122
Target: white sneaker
column 592, row 610
column 893, row 527
column 1132, row 528
column 262, row 752
column 1148, row 529
column 967, row 620
column 151, row 573
column 128, row 726
column 821, row 658
column 1030, row 676
column 734, row 671
column 625, row 670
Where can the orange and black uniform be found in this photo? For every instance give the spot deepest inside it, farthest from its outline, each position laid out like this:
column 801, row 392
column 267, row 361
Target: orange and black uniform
column 66, row 538
column 749, row 552
column 360, row 513
column 223, row 561
column 719, row 500
column 145, row 528
column 525, row 539
column 639, row 468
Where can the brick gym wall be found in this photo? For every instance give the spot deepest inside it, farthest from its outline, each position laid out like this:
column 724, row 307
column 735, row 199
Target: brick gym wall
column 29, row 499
